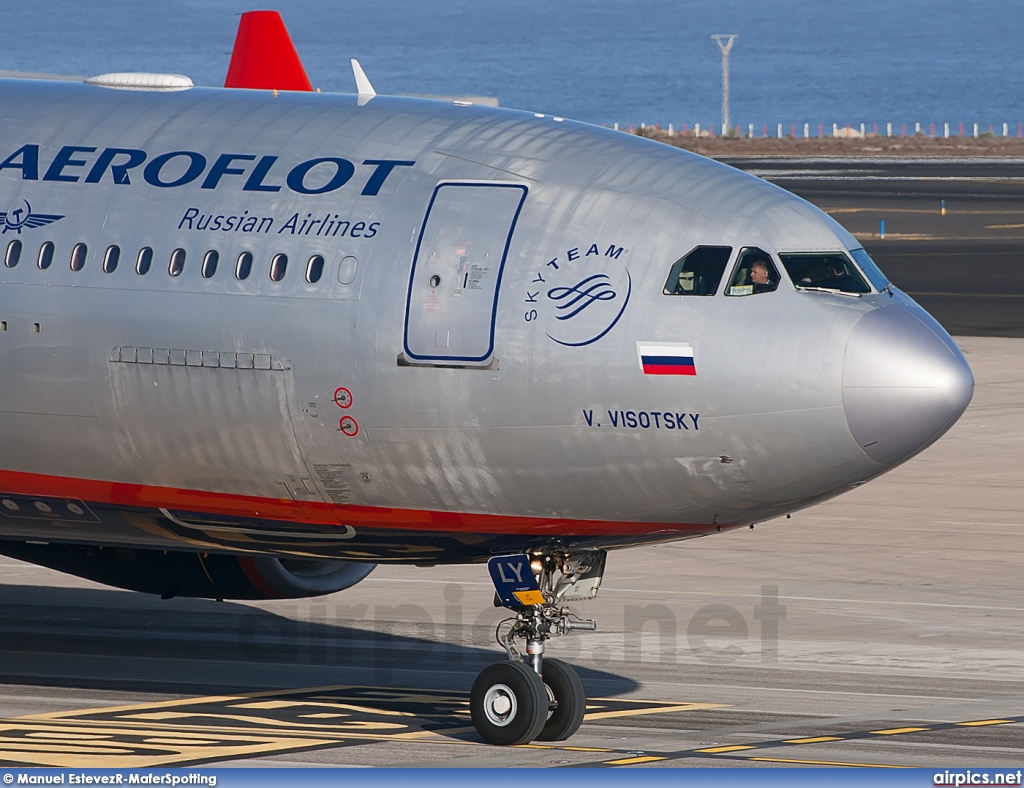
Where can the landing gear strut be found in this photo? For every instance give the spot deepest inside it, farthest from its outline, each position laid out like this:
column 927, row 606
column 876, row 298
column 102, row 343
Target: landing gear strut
column 529, row 697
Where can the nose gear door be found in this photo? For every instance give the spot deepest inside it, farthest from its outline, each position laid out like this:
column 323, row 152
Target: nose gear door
column 456, row 273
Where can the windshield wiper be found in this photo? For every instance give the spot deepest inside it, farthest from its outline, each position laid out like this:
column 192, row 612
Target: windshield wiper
column 832, row 290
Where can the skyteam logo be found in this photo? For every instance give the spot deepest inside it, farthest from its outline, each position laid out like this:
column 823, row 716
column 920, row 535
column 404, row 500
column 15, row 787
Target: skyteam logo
column 585, row 293
column 581, row 294
column 21, row 218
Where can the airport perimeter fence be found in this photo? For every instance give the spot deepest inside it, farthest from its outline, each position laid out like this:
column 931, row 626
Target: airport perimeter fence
column 848, row 131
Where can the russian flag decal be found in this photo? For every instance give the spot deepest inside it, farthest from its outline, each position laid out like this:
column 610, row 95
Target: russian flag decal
column 665, row 358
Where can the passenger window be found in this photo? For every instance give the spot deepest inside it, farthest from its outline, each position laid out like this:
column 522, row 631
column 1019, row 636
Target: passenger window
column 755, row 273
column 177, row 264
column 78, row 257
column 210, row 260
column 111, row 259
column 145, row 260
column 13, row 253
column 278, row 266
column 315, row 269
column 244, row 266
column 45, row 256
column 347, row 270
column 829, row 271
column 699, row 272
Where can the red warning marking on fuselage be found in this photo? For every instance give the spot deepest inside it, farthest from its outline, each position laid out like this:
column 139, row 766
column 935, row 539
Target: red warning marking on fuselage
column 349, row 426
column 342, row 397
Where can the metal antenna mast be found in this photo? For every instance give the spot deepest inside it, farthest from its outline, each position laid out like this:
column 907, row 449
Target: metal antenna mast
column 725, row 43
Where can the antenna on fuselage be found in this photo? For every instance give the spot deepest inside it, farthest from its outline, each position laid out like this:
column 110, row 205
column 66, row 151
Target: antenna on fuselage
column 363, row 86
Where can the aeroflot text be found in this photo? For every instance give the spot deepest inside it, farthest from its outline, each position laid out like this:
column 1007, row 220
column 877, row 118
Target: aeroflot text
column 246, row 171
column 134, row 778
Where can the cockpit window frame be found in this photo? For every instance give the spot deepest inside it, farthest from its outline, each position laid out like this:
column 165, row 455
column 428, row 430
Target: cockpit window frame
column 775, row 271
column 677, row 268
column 821, row 284
column 871, row 272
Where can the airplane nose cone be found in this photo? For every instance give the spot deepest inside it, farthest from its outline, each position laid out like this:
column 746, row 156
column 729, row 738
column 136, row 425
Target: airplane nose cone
column 905, row 383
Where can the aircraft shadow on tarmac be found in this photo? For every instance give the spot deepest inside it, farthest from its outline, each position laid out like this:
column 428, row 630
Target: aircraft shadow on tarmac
column 119, row 640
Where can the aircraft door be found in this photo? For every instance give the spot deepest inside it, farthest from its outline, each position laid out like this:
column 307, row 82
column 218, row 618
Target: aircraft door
column 456, row 272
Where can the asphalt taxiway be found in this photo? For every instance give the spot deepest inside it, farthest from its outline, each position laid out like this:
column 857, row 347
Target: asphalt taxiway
column 965, row 264
column 882, row 628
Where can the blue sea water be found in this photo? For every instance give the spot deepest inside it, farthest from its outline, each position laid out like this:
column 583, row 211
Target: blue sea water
column 602, row 61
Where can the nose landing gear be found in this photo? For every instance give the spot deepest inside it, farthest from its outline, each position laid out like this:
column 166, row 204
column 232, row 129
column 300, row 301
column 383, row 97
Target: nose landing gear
column 531, row 698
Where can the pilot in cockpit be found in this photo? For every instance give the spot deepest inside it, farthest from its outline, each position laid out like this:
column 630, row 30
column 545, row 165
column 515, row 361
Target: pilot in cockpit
column 839, row 277
column 755, row 273
column 760, row 278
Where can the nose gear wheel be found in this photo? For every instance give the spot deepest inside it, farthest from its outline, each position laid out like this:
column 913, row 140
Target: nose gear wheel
column 570, row 701
column 508, row 703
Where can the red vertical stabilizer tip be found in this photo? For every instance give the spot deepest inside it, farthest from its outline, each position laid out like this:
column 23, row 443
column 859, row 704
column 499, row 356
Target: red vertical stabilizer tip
column 264, row 56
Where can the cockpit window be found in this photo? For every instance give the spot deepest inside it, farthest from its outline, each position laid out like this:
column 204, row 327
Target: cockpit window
column 824, row 271
column 871, row 271
column 755, row 273
column 699, row 272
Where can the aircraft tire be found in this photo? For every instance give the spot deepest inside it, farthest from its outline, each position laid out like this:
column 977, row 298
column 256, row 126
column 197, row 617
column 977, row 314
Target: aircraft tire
column 508, row 703
column 563, row 683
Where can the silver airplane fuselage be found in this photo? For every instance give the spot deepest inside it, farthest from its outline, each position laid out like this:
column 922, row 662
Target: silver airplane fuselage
column 318, row 326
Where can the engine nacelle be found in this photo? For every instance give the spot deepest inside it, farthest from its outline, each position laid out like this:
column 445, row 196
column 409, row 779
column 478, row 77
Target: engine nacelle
column 208, row 576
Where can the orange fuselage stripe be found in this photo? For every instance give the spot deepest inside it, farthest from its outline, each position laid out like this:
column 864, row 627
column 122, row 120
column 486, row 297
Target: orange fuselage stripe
column 286, row 510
